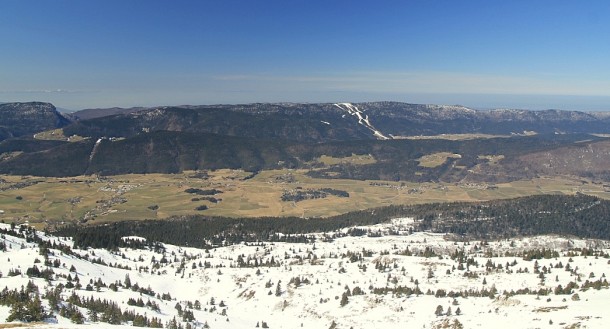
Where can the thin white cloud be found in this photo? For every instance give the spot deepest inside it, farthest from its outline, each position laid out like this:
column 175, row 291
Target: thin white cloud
column 427, row 82
column 39, row 91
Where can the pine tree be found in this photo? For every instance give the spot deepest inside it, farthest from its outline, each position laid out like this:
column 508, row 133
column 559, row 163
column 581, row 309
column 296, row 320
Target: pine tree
column 278, row 289
column 344, row 299
column 172, row 324
column 127, row 282
column 17, row 313
column 93, row 316
column 77, row 317
column 27, row 311
column 439, row 310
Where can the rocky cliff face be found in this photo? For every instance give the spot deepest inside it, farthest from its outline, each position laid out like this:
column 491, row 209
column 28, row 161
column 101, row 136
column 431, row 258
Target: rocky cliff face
column 20, row 119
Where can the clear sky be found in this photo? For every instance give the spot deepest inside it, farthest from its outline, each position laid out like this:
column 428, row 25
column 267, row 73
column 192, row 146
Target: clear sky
column 93, row 53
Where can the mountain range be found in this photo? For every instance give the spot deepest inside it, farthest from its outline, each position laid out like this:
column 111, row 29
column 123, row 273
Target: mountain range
column 255, row 137
column 332, row 122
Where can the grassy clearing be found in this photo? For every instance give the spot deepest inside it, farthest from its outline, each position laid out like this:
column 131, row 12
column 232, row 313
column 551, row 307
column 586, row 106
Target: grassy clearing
column 436, row 159
column 453, row 137
column 353, row 159
column 461, row 137
column 9, row 155
column 57, row 135
column 157, row 196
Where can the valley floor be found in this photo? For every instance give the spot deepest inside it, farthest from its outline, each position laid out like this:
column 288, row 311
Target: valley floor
column 26, row 199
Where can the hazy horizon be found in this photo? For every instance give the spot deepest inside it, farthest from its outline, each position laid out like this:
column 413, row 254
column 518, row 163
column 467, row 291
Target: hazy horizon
column 486, row 102
column 480, row 54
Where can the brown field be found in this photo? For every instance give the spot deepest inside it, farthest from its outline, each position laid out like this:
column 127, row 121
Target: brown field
column 57, row 134
column 56, row 200
column 353, row 159
column 460, row 137
column 23, row 325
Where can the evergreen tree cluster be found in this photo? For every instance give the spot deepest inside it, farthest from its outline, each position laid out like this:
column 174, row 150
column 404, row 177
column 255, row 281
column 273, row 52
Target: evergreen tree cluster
column 309, row 194
column 580, row 215
column 25, row 304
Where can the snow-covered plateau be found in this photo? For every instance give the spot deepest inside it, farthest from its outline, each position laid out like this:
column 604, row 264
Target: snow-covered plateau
column 387, row 278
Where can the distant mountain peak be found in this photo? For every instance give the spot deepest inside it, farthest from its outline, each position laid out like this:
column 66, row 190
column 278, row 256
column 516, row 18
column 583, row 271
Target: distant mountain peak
column 24, row 118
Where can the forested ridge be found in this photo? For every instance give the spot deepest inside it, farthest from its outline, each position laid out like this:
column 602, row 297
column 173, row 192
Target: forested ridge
column 255, row 137
column 304, row 122
column 174, row 152
column 579, row 216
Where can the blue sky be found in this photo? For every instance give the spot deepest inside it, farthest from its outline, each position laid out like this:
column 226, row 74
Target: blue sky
column 482, row 54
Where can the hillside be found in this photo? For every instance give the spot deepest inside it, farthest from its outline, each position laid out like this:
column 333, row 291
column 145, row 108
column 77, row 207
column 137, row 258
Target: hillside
column 362, row 275
column 20, row 119
column 87, row 114
column 490, row 146
column 174, row 151
column 335, row 122
column 578, row 216
column 284, row 123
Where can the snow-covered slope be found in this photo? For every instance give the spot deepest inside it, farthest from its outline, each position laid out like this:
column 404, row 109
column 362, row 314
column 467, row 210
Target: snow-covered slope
column 395, row 280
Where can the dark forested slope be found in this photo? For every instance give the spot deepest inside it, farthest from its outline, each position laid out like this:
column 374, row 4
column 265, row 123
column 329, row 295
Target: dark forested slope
column 579, row 216
column 172, row 152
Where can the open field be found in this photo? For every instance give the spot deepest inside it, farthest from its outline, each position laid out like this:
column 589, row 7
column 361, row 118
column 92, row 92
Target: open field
column 436, row 159
column 58, row 135
column 41, row 201
column 461, row 137
column 353, row 159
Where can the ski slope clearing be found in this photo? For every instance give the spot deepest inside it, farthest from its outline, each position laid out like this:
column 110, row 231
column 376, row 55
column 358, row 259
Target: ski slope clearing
column 378, row 276
column 363, row 119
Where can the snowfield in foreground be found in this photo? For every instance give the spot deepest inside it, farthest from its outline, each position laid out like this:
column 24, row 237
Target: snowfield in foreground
column 383, row 280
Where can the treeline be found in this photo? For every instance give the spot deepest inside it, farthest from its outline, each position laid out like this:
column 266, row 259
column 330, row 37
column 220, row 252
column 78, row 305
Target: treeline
column 580, row 216
column 208, row 232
